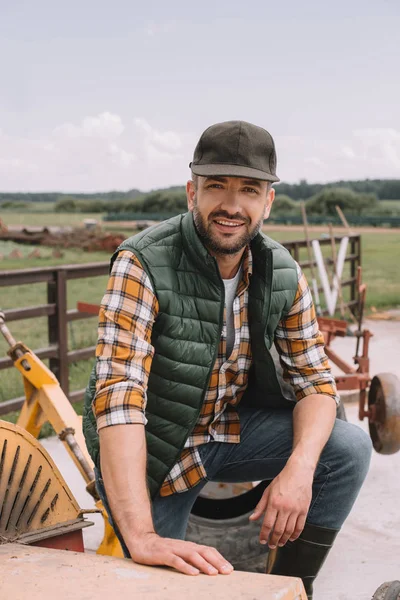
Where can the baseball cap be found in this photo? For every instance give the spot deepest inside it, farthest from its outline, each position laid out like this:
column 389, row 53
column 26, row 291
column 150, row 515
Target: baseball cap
column 235, row 149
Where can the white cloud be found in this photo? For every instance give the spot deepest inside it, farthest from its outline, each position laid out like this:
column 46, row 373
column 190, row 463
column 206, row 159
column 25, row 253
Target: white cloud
column 159, row 145
column 152, row 29
column 166, row 140
column 10, row 163
column 314, row 160
column 99, row 153
column 89, row 155
column 95, row 153
column 348, row 152
column 382, row 145
column 121, row 157
column 372, row 153
column 103, row 126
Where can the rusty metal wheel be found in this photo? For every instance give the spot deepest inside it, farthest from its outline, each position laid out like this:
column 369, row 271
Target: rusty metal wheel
column 384, row 404
column 388, row 591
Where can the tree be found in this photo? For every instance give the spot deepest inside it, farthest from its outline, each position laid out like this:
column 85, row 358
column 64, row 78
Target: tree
column 325, row 202
column 66, row 205
column 283, row 204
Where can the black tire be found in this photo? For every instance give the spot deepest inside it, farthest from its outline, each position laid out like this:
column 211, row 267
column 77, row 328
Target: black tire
column 341, row 412
column 234, row 536
column 236, row 539
column 388, row 591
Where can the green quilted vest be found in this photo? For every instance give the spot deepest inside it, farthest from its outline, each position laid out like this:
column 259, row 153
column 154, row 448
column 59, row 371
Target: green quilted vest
column 187, row 332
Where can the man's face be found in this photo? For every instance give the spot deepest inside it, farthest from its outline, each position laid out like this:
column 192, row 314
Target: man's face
column 228, row 211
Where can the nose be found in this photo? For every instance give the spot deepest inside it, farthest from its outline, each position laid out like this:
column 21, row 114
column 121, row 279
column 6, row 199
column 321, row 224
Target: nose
column 231, row 202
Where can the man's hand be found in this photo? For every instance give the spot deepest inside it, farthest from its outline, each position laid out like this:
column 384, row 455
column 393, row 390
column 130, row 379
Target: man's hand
column 285, row 502
column 186, row 557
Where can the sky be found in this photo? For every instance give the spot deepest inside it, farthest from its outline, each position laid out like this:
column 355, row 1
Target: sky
column 98, row 95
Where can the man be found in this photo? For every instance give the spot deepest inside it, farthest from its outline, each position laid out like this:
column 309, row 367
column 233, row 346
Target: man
column 185, row 389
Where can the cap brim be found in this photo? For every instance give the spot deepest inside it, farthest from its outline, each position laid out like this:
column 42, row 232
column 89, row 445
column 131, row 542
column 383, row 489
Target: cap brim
column 232, row 171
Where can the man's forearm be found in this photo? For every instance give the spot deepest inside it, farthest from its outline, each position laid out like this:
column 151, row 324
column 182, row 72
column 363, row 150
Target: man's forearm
column 313, row 420
column 123, row 467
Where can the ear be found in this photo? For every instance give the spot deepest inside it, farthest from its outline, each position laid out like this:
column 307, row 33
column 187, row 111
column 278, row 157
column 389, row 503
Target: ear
column 190, row 194
column 270, row 200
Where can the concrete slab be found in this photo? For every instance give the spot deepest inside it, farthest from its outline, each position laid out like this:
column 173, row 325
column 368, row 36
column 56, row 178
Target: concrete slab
column 41, row 574
column 367, row 551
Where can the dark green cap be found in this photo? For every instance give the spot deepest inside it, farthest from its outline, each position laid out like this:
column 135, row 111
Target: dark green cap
column 235, row 149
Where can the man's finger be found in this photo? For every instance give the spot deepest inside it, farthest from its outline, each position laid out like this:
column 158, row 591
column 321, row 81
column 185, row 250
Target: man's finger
column 216, row 559
column 278, row 530
column 290, row 527
column 176, row 562
column 301, row 521
column 199, row 562
column 261, row 506
column 268, row 525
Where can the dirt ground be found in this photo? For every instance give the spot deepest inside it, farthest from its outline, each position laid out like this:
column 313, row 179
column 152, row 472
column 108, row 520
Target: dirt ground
column 367, row 551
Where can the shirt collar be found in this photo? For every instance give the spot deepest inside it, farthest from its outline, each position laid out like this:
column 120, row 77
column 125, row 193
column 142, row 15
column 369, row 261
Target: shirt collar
column 247, row 266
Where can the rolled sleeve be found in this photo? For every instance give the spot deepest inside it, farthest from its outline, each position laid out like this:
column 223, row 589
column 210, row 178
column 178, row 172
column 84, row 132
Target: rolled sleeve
column 300, row 345
column 124, row 351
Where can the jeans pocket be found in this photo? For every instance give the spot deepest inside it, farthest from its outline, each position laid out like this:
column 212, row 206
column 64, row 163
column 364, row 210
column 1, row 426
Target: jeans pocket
column 202, row 457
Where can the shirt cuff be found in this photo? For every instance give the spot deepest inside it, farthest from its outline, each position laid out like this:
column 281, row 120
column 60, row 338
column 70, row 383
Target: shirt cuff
column 121, row 416
column 326, row 390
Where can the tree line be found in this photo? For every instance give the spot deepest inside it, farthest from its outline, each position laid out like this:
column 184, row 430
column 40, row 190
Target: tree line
column 383, row 189
column 167, row 202
column 355, row 200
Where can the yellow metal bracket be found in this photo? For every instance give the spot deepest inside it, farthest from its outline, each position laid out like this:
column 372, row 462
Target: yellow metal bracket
column 45, row 401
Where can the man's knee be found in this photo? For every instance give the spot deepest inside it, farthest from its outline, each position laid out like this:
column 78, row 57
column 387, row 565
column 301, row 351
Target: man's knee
column 351, row 447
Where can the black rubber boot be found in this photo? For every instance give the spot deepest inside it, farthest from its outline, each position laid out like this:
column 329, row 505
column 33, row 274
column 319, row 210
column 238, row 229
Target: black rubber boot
column 304, row 557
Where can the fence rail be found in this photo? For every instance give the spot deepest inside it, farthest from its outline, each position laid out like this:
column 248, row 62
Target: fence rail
column 58, row 316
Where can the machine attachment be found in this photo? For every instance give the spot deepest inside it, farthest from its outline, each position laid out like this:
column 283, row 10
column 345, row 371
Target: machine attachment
column 36, row 505
column 46, row 401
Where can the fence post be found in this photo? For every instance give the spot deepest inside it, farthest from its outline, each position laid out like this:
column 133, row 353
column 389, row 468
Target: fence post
column 57, row 325
column 296, row 254
column 355, row 249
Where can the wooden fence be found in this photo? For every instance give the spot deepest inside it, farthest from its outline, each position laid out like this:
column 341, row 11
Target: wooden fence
column 56, row 279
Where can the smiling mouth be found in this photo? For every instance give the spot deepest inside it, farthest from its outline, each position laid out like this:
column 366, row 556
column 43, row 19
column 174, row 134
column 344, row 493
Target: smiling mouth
column 230, row 224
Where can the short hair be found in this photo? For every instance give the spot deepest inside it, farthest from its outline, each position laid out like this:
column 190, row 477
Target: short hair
column 195, row 179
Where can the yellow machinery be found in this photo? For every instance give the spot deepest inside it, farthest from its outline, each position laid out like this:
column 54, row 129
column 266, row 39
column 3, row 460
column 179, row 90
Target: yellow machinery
column 45, row 401
column 36, row 505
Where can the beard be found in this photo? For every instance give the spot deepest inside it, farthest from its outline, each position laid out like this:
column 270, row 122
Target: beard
column 222, row 243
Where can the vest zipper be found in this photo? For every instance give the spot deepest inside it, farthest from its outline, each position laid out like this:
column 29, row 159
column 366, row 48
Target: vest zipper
column 221, row 323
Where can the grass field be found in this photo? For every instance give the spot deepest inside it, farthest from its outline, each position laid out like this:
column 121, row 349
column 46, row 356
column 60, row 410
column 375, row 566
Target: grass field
column 390, row 204
column 46, row 218
column 380, row 257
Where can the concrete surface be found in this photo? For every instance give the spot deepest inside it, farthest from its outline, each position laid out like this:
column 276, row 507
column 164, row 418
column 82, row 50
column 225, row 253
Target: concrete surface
column 28, row 572
column 367, row 551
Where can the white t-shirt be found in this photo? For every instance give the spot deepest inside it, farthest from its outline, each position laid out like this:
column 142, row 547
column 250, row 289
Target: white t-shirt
column 230, row 292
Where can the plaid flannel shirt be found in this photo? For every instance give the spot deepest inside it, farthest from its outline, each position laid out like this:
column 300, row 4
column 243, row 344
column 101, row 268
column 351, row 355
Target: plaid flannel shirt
column 124, row 355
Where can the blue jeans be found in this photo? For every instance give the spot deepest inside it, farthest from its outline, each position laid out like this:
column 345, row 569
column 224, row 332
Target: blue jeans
column 265, row 446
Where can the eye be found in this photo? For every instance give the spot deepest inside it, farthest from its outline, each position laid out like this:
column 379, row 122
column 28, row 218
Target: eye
column 250, row 190
column 214, row 185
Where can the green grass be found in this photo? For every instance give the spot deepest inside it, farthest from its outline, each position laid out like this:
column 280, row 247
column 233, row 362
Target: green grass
column 380, row 259
column 34, row 332
column 380, row 252
column 389, row 204
column 46, row 218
